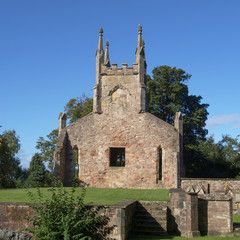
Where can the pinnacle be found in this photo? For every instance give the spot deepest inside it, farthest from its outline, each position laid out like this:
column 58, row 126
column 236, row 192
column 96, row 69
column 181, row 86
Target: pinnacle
column 100, row 30
column 139, row 28
column 107, row 43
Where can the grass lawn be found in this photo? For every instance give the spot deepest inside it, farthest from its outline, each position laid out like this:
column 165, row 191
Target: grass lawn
column 182, row 238
column 104, row 196
column 236, row 219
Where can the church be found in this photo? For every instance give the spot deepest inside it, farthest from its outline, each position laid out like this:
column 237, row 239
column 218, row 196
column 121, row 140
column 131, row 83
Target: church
column 120, row 144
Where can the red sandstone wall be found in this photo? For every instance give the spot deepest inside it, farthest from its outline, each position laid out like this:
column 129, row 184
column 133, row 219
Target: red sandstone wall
column 120, row 217
column 140, row 134
column 12, row 215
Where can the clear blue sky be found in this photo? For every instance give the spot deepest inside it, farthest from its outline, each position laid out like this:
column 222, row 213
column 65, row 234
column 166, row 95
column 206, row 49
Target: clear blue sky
column 47, row 55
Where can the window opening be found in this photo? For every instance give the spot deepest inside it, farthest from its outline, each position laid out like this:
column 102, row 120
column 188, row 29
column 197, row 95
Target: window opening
column 160, row 162
column 76, row 161
column 117, row 157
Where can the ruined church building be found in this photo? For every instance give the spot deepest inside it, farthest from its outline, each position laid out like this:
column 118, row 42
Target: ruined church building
column 120, row 144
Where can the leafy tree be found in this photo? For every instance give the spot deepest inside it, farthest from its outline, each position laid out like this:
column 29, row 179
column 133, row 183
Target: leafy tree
column 65, row 217
column 9, row 163
column 37, row 172
column 218, row 160
column 47, row 147
column 78, row 107
column 230, row 150
column 21, row 177
column 168, row 94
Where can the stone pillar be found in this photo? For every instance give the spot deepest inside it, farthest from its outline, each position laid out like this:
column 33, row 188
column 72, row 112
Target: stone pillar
column 215, row 214
column 183, row 213
column 62, row 122
column 178, row 124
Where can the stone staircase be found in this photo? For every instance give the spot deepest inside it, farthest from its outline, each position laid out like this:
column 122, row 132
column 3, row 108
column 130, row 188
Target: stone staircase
column 150, row 218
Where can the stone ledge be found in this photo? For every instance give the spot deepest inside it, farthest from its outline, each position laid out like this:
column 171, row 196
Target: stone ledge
column 215, row 197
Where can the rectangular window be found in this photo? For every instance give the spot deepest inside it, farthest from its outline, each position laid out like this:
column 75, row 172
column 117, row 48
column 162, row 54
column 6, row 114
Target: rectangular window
column 117, row 157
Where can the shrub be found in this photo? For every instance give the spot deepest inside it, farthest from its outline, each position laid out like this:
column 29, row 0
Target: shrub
column 65, row 217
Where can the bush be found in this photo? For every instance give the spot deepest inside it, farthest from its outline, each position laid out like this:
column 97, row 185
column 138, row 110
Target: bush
column 65, row 217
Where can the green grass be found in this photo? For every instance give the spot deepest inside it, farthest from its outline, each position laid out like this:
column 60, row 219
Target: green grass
column 236, row 219
column 104, row 196
column 182, row 238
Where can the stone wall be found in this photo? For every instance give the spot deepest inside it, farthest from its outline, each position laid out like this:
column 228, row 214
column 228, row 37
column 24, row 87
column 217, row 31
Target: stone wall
column 212, row 186
column 140, row 135
column 6, row 234
column 183, row 213
column 120, row 218
column 187, row 214
column 11, row 215
column 215, row 214
column 190, row 213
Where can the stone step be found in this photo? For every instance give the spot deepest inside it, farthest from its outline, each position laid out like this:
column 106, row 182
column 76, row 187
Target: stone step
column 150, row 205
column 154, row 214
column 143, row 229
column 150, row 208
column 150, row 218
column 150, row 234
column 150, row 223
column 158, row 220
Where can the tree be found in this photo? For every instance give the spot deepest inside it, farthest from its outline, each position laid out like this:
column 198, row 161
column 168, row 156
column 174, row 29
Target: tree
column 78, row 107
column 230, row 150
column 36, row 171
column 47, row 147
column 9, row 163
column 168, row 94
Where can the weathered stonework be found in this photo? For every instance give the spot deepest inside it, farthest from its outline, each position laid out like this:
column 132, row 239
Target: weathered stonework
column 120, row 120
column 213, row 186
column 183, row 213
column 215, row 214
column 119, row 226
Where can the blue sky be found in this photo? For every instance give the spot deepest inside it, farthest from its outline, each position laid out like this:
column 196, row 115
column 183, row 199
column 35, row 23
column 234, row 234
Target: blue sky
column 47, row 55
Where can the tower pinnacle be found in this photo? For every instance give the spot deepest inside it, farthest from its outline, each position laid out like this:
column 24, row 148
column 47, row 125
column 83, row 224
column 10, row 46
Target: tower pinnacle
column 100, row 42
column 140, row 40
column 106, row 58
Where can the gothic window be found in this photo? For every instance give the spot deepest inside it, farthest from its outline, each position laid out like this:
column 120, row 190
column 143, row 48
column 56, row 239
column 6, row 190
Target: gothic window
column 117, row 157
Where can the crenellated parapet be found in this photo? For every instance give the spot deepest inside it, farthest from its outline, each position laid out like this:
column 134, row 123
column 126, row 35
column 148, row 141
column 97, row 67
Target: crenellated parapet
column 124, row 70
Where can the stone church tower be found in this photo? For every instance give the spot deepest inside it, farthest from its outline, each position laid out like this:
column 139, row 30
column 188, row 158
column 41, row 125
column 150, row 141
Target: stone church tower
column 120, row 144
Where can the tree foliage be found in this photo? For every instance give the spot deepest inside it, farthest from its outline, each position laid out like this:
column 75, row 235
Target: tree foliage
column 10, row 169
column 209, row 159
column 78, row 107
column 65, row 217
column 47, row 147
column 168, row 93
column 36, row 172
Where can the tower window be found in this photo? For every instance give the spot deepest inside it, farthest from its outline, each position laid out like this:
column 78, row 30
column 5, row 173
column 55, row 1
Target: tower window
column 117, row 157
